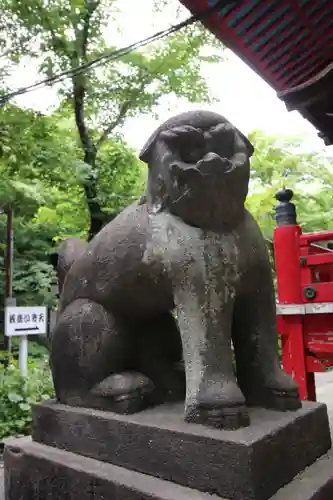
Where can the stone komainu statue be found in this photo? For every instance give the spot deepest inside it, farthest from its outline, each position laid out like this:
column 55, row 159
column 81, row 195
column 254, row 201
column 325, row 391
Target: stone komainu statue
column 189, row 245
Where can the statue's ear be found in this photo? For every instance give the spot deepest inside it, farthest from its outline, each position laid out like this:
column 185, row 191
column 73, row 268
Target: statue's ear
column 146, row 151
column 155, row 192
column 144, row 154
column 185, row 135
column 249, row 145
column 222, row 128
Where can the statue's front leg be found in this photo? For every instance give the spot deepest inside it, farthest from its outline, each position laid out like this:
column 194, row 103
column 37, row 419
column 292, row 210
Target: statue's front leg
column 212, row 394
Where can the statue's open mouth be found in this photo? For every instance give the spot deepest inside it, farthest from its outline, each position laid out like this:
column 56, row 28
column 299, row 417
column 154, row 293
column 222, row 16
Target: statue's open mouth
column 211, row 165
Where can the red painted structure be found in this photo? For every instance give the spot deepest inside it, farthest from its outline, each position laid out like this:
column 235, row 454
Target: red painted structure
column 289, row 43
column 304, row 270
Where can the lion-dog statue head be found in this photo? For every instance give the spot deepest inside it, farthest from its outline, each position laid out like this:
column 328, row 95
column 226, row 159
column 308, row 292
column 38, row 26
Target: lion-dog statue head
column 199, row 169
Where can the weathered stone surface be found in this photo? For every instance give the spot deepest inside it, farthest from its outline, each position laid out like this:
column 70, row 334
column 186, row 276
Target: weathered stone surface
column 189, row 244
column 40, row 472
column 37, row 472
column 315, row 483
column 248, row 464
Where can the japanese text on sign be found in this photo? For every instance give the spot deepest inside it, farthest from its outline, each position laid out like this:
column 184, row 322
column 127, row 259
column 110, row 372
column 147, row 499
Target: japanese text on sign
column 26, row 320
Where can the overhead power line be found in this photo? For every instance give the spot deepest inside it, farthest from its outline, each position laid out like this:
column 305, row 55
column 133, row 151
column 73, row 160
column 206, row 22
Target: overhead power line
column 112, row 55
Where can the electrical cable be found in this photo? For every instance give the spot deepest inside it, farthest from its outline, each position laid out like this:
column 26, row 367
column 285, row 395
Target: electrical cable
column 111, row 56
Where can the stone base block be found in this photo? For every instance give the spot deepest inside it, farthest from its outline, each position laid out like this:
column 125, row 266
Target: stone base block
column 248, row 464
column 38, row 472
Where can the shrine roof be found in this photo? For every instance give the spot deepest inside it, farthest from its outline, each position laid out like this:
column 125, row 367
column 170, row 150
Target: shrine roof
column 288, row 43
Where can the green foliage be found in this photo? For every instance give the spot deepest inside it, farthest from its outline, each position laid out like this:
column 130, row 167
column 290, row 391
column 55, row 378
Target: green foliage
column 119, row 168
column 139, row 81
column 36, row 351
column 18, row 394
column 42, row 178
column 14, row 42
column 72, row 33
column 282, row 161
column 35, row 156
column 35, row 152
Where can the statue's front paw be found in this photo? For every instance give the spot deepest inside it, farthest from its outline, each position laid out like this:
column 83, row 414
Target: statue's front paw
column 278, row 392
column 228, row 418
column 220, row 405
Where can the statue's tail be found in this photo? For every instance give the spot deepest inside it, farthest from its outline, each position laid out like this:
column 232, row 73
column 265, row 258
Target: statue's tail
column 68, row 252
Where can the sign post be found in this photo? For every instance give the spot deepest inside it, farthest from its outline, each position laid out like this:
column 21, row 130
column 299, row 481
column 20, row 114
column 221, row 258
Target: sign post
column 21, row 322
column 23, row 355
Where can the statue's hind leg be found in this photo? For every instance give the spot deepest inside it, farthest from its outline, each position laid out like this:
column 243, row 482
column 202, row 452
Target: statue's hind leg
column 91, row 360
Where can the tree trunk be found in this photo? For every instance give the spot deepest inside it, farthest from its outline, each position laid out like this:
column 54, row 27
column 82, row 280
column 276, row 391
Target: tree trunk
column 97, row 216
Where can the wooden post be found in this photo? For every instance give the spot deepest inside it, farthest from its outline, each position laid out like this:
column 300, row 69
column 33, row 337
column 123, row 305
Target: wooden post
column 8, row 291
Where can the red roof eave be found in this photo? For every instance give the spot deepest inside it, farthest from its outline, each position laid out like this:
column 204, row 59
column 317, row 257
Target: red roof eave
column 288, row 43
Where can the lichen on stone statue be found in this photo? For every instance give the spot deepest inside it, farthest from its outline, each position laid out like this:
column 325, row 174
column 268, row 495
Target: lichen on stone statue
column 187, row 245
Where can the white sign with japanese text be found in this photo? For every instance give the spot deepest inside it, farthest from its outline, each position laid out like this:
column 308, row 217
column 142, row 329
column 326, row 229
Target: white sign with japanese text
column 25, row 321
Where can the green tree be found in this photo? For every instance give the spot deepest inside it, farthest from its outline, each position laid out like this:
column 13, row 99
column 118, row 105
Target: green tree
column 71, row 33
column 15, row 42
column 285, row 161
column 41, row 178
column 35, row 159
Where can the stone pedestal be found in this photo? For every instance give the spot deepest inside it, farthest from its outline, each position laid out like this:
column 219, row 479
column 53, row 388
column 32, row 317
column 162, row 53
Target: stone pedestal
column 86, row 454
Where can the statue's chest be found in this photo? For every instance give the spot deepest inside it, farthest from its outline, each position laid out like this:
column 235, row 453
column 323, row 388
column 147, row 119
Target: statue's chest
column 197, row 254
column 218, row 256
column 207, row 266
column 219, row 250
